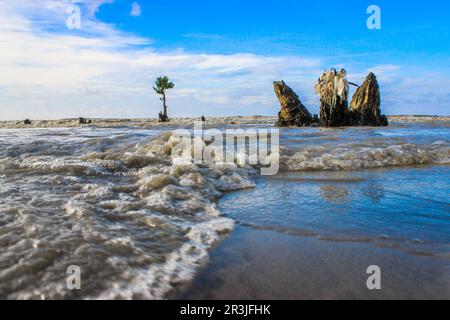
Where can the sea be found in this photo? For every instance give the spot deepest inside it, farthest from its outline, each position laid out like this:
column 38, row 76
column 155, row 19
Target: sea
column 112, row 203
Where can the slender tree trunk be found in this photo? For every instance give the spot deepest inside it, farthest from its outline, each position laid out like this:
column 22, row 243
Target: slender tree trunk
column 165, row 106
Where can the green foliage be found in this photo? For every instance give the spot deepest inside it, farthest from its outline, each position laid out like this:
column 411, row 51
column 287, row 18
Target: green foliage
column 163, row 84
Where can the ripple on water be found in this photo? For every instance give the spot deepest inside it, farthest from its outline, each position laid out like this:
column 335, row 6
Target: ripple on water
column 112, row 202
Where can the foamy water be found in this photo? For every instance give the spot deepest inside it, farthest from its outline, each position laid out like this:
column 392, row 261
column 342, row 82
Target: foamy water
column 112, row 201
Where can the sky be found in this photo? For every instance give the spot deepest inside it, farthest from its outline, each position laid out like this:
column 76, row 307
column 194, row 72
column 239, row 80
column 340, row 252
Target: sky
column 222, row 55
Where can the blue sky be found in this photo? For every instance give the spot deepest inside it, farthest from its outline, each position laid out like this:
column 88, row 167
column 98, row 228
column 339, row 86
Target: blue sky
column 222, row 55
column 291, row 26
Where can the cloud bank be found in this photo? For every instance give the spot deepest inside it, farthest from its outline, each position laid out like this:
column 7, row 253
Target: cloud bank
column 51, row 72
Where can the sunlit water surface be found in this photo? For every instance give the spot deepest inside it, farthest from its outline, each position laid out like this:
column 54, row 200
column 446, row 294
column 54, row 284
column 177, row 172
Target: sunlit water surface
column 111, row 202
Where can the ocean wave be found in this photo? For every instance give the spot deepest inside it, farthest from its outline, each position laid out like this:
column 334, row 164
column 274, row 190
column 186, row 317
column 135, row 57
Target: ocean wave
column 367, row 155
column 49, row 164
column 185, row 194
column 135, row 218
column 132, row 216
column 179, row 267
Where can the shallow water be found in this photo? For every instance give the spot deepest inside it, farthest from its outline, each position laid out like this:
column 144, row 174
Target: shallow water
column 111, row 201
column 403, row 208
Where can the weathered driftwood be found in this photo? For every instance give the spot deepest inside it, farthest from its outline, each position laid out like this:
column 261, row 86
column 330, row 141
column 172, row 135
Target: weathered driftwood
column 365, row 107
column 332, row 88
column 293, row 112
column 82, row 120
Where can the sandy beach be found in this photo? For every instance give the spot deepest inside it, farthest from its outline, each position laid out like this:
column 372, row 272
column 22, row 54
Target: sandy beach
column 211, row 121
column 277, row 250
column 138, row 122
column 266, row 265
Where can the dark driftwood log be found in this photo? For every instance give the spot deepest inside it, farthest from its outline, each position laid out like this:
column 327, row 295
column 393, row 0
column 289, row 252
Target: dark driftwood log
column 334, row 116
column 82, row 120
column 365, row 107
column 293, row 112
column 332, row 87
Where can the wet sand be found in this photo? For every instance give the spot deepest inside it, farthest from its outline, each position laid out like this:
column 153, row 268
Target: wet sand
column 313, row 236
column 256, row 264
column 148, row 123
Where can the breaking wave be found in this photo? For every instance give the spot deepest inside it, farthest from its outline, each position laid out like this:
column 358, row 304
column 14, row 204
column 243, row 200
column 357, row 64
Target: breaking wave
column 366, row 156
column 148, row 223
column 138, row 223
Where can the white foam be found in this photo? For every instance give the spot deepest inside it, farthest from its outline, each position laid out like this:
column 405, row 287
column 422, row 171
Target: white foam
column 371, row 155
column 180, row 266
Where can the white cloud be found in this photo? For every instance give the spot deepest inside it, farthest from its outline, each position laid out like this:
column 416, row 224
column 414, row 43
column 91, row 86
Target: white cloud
column 64, row 74
column 93, row 6
column 136, row 10
column 102, row 72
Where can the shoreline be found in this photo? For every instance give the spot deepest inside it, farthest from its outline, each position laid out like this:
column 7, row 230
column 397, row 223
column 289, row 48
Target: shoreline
column 307, row 268
column 274, row 258
column 153, row 122
column 300, row 235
